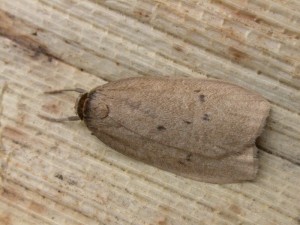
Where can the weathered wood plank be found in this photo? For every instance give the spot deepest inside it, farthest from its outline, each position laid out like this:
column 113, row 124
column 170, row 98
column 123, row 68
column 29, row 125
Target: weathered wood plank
column 60, row 174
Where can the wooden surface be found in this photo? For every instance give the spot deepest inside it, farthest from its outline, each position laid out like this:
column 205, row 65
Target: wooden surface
column 60, row 174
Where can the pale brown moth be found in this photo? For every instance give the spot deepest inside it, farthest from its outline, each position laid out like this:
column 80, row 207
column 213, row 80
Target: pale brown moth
column 198, row 128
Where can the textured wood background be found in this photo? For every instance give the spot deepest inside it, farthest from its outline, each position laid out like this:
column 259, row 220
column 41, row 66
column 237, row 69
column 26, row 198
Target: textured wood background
column 60, row 174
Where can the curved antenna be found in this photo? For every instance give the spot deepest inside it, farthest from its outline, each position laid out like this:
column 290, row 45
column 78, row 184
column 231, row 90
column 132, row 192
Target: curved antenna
column 79, row 90
column 59, row 120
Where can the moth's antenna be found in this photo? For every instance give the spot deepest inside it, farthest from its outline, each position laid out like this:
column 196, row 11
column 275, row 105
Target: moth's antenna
column 64, row 119
column 59, row 120
column 79, row 90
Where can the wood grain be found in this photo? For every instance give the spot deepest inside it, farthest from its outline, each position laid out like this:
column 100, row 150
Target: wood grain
column 60, row 174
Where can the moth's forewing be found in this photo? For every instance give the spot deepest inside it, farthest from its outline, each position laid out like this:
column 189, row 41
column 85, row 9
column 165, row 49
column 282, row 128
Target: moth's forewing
column 197, row 128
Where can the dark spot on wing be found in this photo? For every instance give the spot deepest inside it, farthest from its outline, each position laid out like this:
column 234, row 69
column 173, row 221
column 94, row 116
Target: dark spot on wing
column 188, row 157
column 187, row 122
column 202, row 98
column 206, row 117
column 160, row 127
column 197, row 91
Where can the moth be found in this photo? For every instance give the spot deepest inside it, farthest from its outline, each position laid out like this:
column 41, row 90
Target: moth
column 201, row 129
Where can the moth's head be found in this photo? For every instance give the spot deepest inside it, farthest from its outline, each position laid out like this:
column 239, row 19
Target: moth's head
column 81, row 104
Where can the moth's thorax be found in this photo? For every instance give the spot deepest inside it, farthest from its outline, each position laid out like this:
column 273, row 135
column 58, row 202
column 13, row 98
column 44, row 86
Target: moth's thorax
column 91, row 106
column 80, row 105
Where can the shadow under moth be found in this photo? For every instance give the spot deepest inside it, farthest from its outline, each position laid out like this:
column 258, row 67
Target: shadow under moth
column 198, row 128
